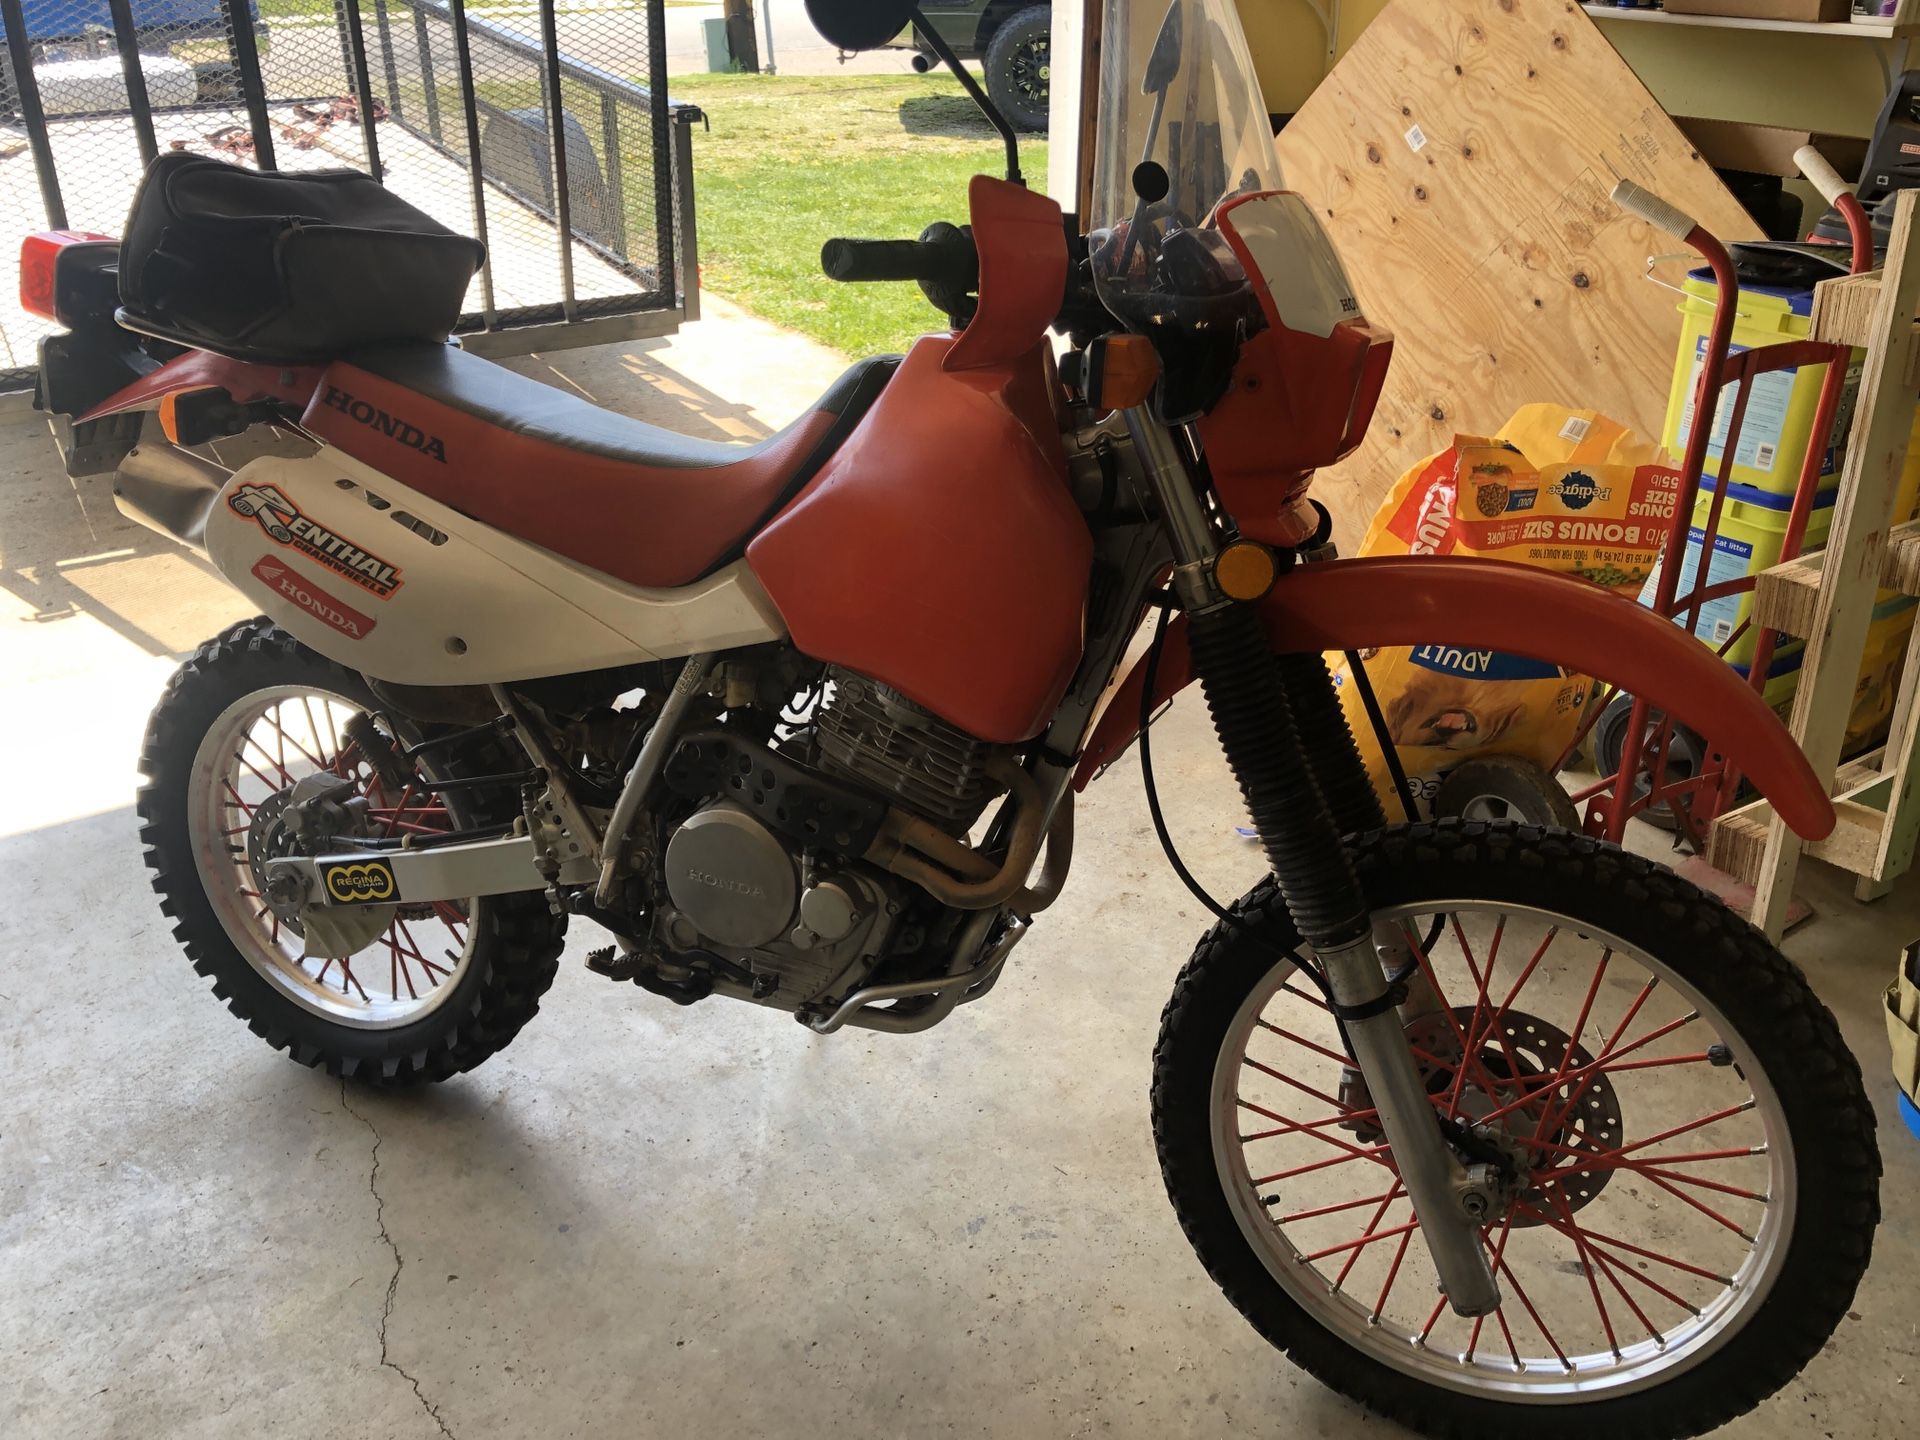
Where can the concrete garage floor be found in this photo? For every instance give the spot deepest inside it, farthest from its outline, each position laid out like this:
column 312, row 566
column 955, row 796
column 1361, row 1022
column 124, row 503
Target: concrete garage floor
column 640, row 1220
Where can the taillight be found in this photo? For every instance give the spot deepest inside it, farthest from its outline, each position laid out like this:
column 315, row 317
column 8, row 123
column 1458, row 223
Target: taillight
column 40, row 269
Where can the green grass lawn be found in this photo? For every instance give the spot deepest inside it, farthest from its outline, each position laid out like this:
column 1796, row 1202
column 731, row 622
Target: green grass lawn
column 792, row 161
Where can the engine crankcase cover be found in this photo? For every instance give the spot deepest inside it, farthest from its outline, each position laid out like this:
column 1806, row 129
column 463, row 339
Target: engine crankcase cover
column 731, row 876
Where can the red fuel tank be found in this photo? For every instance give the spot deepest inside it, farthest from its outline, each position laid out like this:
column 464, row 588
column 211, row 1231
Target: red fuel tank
column 939, row 550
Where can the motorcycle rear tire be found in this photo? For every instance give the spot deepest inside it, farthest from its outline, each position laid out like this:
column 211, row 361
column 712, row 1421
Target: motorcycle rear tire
column 514, row 942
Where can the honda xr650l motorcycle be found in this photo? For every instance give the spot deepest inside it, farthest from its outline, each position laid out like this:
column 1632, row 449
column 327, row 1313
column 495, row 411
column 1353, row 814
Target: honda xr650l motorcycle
column 1499, row 1130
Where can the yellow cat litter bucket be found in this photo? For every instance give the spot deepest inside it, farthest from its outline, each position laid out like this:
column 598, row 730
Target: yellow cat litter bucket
column 1880, row 665
column 1753, row 523
column 1780, row 404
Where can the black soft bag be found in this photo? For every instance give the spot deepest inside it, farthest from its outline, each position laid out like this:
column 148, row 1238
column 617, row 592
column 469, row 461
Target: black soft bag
column 286, row 267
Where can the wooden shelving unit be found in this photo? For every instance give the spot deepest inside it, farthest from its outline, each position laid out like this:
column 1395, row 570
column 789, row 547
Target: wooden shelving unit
column 1893, row 37
column 1827, row 598
column 1898, row 28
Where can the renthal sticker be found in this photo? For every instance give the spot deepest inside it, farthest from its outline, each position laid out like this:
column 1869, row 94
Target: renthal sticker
column 284, row 523
column 402, row 432
column 312, row 599
column 364, row 882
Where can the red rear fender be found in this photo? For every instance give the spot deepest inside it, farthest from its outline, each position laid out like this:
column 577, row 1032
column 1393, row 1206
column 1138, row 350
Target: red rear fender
column 246, row 383
column 1494, row 605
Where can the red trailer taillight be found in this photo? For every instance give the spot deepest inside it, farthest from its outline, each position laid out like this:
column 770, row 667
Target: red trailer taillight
column 40, row 267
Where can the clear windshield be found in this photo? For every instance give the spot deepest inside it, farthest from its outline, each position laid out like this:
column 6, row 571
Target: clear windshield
column 1182, row 126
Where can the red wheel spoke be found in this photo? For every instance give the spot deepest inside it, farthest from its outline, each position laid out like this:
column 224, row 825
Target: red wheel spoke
column 241, row 757
column 349, row 978
column 286, row 738
column 1299, row 1085
column 1616, row 1243
column 1305, row 1043
column 1586, row 1009
column 1605, row 1160
column 1479, row 1028
column 397, row 968
column 395, row 816
column 321, row 978
column 1591, row 1070
column 1370, row 1238
column 1468, row 1059
column 333, row 735
column 1706, row 1210
column 1538, row 1324
column 1295, row 1126
column 1367, row 1237
column 1314, row 1000
column 1374, row 1155
column 1705, row 1184
column 1552, row 1119
column 418, row 954
column 1607, row 1265
column 1479, row 1321
column 236, row 798
column 278, row 762
column 1393, row 1273
column 1316, row 1213
column 1340, row 1119
column 1630, row 1271
column 1659, row 1062
column 1526, row 974
column 1615, row 1158
column 1589, row 1265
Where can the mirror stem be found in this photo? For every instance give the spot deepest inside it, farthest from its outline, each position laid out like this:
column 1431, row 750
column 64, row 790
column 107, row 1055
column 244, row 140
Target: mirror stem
column 1146, row 154
column 931, row 39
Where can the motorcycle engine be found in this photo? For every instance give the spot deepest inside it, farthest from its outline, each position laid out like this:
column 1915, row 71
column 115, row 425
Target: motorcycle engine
column 805, row 926
column 874, row 735
column 805, row 921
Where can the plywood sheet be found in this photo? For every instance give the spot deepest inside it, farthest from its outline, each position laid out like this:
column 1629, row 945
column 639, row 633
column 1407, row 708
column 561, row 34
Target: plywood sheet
column 1462, row 154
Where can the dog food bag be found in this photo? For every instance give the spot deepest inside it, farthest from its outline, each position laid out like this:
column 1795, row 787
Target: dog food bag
column 1566, row 490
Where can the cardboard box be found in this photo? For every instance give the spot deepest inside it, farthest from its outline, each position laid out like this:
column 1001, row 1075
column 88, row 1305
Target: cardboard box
column 1816, row 12
column 1768, row 149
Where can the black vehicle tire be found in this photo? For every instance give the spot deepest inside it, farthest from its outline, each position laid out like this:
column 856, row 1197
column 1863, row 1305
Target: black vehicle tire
column 1505, row 787
column 1782, row 1029
column 512, row 944
column 1017, row 65
column 1686, row 755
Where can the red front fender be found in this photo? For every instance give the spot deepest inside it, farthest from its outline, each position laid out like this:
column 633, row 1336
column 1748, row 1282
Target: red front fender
column 1495, row 605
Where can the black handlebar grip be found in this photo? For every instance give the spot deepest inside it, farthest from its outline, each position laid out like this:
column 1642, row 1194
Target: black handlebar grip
column 946, row 261
column 876, row 259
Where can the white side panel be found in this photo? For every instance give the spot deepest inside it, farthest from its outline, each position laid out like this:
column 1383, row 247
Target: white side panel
column 396, row 585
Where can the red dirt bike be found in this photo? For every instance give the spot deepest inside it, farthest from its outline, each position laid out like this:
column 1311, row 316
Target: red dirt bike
column 1493, row 1128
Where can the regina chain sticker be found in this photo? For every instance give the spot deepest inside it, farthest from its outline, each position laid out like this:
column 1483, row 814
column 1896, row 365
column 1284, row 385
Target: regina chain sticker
column 363, row 882
column 281, row 519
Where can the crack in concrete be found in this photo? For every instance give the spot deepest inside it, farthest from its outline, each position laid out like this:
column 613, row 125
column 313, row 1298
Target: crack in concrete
column 399, row 1264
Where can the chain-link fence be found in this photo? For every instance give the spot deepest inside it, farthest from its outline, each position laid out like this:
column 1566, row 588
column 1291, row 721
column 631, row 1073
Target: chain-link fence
column 540, row 126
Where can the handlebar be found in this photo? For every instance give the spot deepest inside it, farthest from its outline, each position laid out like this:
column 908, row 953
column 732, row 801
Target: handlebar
column 1640, row 201
column 947, row 261
column 1820, row 174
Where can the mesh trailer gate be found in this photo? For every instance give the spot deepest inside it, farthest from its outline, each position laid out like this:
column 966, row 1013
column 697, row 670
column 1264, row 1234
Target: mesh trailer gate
column 541, row 128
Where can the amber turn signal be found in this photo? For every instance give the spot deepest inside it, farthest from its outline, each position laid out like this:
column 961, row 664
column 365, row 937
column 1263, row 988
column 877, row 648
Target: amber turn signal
column 169, row 415
column 1245, row 570
column 1121, row 372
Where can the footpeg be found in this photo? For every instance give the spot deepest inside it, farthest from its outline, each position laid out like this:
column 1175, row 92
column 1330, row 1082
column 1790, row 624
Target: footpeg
column 615, row 966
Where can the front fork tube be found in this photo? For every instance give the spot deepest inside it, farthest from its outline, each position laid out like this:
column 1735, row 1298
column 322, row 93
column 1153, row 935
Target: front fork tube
column 1247, row 696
